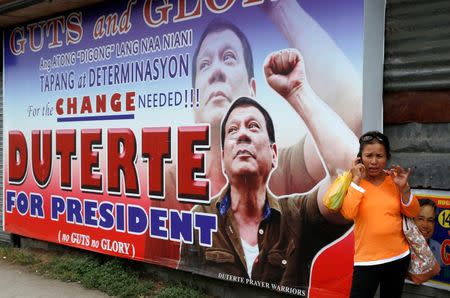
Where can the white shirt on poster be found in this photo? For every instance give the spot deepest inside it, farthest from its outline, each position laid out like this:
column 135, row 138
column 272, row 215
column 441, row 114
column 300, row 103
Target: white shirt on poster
column 250, row 252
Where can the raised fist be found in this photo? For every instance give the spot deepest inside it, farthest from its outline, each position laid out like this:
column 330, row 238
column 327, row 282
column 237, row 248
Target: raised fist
column 285, row 72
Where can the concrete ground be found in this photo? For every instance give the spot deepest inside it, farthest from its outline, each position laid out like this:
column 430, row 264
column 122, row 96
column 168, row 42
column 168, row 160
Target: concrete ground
column 17, row 282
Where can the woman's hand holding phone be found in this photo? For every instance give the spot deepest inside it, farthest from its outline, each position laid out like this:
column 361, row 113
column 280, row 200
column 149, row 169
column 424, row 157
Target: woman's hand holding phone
column 358, row 170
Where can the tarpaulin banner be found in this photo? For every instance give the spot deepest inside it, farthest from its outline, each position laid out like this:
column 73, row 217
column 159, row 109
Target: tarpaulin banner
column 115, row 138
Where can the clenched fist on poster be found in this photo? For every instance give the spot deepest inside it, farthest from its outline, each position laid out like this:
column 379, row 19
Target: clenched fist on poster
column 285, row 72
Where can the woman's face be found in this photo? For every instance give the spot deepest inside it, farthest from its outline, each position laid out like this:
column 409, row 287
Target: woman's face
column 374, row 159
column 425, row 221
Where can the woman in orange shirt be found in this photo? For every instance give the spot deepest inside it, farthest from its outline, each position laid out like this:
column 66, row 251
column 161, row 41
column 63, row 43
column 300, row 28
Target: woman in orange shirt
column 375, row 201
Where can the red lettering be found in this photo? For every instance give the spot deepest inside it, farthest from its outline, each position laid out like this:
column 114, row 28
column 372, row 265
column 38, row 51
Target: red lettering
column 156, row 150
column 86, row 106
column 32, row 33
column 445, row 256
column 121, row 157
column 90, row 160
column 212, row 5
column 17, row 45
column 163, row 12
column 125, row 23
column 74, row 28
column 66, row 149
column 17, row 157
column 101, row 103
column 53, row 26
column 157, row 13
column 247, row 3
column 129, row 101
column 111, row 24
column 41, row 165
column 72, row 105
column 56, row 30
column 115, row 102
column 59, row 108
column 99, row 29
column 191, row 165
column 183, row 15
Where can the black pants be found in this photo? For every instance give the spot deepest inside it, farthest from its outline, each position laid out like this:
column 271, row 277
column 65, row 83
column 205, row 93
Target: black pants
column 390, row 276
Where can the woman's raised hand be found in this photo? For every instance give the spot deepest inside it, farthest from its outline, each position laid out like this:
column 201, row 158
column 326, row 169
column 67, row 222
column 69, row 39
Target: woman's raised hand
column 400, row 177
column 358, row 170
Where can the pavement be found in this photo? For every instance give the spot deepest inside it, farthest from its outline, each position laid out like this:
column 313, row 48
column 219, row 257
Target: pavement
column 18, row 282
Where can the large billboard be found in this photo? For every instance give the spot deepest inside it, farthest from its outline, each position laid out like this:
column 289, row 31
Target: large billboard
column 114, row 140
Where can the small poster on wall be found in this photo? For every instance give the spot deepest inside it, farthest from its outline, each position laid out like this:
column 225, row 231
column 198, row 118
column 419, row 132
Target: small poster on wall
column 434, row 223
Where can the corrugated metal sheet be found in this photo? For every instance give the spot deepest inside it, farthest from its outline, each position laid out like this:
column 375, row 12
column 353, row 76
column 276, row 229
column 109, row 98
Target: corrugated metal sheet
column 417, row 49
column 417, row 57
column 425, row 148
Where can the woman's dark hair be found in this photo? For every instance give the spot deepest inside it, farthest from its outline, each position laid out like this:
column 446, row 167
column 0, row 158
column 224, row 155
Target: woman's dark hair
column 372, row 137
column 425, row 202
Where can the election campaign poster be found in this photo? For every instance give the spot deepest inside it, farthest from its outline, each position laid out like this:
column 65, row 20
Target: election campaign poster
column 119, row 139
column 434, row 223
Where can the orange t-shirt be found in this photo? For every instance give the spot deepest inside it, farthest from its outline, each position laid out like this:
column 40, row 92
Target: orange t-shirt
column 376, row 211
